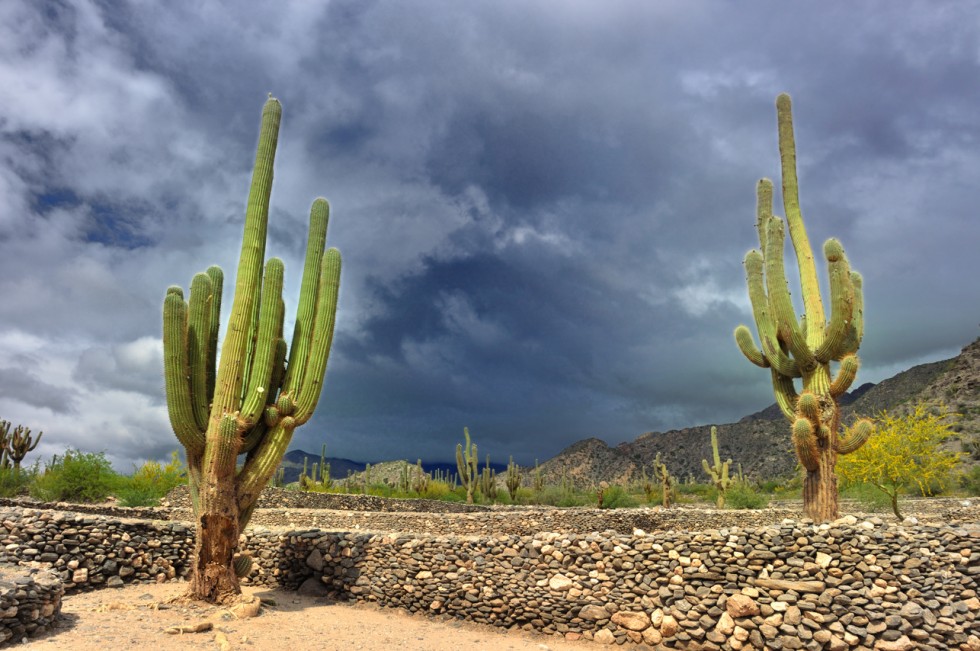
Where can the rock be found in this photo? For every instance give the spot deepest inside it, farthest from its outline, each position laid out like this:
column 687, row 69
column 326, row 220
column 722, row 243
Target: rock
column 739, row 605
column 631, row 621
column 604, row 636
column 903, row 643
column 593, row 613
column 313, row 587
column 668, row 626
column 725, row 624
column 560, row 582
column 315, row 560
column 652, row 636
column 912, row 612
column 823, row 560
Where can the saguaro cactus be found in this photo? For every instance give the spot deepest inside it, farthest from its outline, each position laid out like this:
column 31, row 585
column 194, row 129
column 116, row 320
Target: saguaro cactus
column 667, row 481
column 804, row 348
column 513, row 480
column 254, row 401
column 466, row 465
column 718, row 471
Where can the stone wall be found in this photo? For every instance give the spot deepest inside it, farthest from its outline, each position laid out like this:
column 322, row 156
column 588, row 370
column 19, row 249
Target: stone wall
column 29, row 603
column 853, row 584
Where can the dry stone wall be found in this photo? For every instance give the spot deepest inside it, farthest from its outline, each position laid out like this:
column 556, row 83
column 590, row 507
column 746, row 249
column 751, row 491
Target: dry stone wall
column 853, row 584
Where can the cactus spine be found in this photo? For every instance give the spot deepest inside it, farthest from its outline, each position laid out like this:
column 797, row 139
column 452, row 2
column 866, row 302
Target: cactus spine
column 804, row 349
column 667, row 481
column 718, row 471
column 251, row 402
column 466, row 465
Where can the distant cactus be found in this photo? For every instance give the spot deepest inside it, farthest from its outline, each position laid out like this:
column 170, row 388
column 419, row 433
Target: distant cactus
column 466, row 465
column 513, row 479
column 804, row 348
column 16, row 444
column 718, row 471
column 538, row 478
column 667, row 481
column 600, row 493
column 420, row 479
column 488, row 482
column 4, row 440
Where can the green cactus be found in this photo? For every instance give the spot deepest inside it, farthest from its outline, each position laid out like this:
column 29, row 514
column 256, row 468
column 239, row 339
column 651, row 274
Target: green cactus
column 420, row 479
column 805, row 348
column 251, row 402
column 466, row 465
column 718, row 471
column 488, row 482
column 17, row 444
column 4, row 440
column 667, row 482
column 513, row 480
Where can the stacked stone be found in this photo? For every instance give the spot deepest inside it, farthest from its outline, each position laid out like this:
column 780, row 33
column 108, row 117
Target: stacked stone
column 88, row 552
column 845, row 585
column 29, row 603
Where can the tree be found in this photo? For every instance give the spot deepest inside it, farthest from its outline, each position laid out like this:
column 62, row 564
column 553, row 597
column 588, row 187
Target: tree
column 803, row 348
column 905, row 450
column 251, row 403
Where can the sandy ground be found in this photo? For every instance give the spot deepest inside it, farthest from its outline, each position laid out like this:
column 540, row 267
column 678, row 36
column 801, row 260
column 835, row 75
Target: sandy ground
column 137, row 616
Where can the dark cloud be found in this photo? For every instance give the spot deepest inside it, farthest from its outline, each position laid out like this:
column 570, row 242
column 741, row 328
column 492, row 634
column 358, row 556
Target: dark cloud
column 543, row 214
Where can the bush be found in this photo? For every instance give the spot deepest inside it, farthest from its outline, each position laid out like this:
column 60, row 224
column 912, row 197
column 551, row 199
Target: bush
column 870, row 497
column 615, row 497
column 743, row 496
column 151, row 482
column 970, row 481
column 76, row 477
column 16, row 482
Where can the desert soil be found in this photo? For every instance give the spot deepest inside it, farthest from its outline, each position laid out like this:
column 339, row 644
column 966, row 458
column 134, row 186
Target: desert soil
column 137, row 617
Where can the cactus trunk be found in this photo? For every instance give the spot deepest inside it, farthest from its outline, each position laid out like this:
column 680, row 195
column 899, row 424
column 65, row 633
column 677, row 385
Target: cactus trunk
column 251, row 403
column 804, row 348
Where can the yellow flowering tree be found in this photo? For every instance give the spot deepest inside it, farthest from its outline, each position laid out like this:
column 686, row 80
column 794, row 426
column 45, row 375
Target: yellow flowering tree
column 904, row 450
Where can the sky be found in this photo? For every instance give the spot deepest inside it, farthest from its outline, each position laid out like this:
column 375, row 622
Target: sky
column 542, row 206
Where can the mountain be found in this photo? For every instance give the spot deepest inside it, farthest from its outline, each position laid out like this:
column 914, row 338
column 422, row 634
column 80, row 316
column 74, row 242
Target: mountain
column 760, row 442
column 292, row 463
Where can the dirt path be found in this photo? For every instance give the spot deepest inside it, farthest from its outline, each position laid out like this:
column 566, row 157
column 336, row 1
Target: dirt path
column 136, row 616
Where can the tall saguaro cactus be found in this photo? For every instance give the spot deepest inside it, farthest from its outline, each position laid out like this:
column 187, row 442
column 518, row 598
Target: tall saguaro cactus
column 805, row 348
column 252, row 403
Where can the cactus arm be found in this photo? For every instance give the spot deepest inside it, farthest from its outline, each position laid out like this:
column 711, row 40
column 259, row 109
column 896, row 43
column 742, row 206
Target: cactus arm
column 842, row 304
column 779, row 299
column 763, row 211
column 217, row 277
column 198, row 353
column 309, row 289
column 856, row 331
column 785, row 394
column 263, row 461
column 813, row 306
column 231, row 368
column 746, row 344
column 761, row 312
column 805, row 443
column 177, row 374
column 270, row 323
column 308, row 393
column 849, row 365
column 855, row 436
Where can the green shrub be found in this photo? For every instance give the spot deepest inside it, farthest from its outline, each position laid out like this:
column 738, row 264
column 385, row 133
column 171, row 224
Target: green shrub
column 871, row 498
column 970, row 481
column 15, row 482
column 615, row 497
column 151, row 482
column 76, row 477
column 743, row 496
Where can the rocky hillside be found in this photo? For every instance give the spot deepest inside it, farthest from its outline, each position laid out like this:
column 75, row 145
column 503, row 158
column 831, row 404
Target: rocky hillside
column 760, row 441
